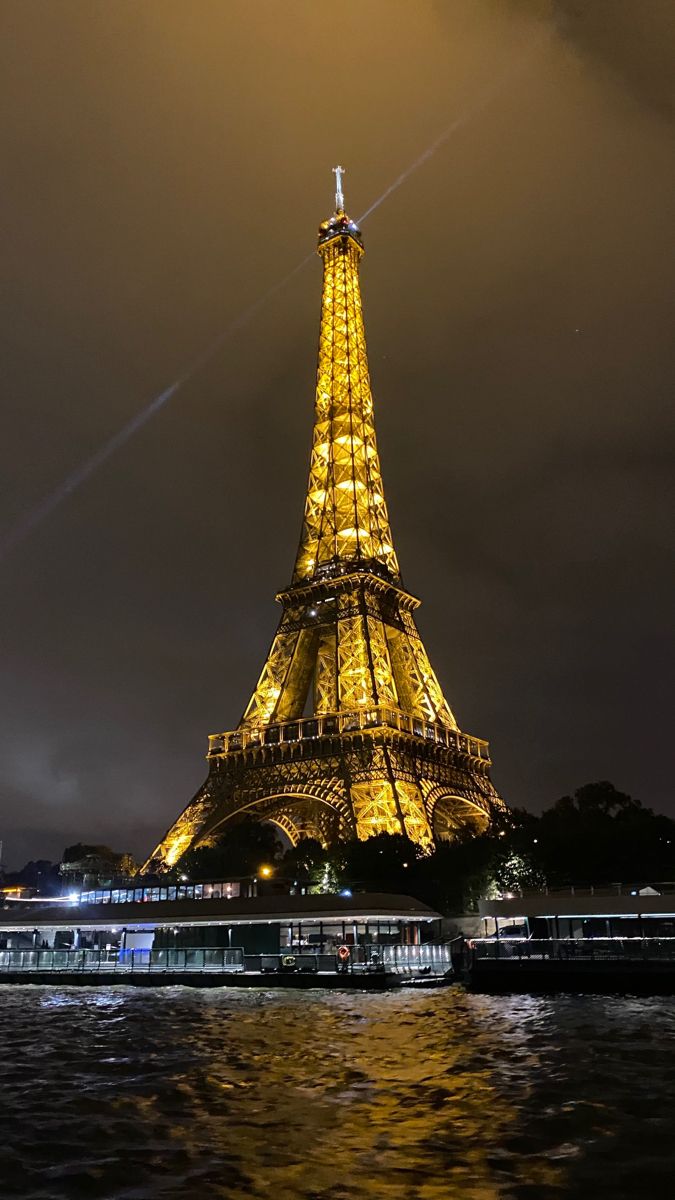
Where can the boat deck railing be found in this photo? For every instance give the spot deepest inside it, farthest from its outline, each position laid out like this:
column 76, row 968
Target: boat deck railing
column 433, row 958
column 574, row 949
column 121, row 961
column 602, row 889
column 427, row 959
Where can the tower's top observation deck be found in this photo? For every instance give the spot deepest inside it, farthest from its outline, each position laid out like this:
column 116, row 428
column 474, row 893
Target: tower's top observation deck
column 339, row 226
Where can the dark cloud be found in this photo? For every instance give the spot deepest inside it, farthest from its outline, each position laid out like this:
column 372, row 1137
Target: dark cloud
column 164, row 166
column 635, row 42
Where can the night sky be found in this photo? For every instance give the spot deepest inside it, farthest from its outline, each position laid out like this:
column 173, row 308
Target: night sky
column 164, row 165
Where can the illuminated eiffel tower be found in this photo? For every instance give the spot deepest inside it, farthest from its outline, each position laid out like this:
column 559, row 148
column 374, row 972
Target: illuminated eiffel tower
column 347, row 732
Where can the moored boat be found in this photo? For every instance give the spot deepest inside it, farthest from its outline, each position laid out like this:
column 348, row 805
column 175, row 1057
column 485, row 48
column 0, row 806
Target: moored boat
column 595, row 939
column 364, row 941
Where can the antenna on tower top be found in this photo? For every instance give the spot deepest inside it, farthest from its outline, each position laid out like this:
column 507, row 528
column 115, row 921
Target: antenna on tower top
column 339, row 194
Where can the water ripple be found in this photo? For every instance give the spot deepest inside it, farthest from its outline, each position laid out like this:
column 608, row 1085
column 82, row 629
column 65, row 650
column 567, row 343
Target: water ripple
column 118, row 1094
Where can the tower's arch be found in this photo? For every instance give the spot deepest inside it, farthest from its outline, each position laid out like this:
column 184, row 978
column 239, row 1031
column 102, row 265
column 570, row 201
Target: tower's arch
column 299, row 812
column 451, row 814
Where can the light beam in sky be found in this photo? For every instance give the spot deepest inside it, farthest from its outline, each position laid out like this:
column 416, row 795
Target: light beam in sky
column 485, row 100
column 35, row 516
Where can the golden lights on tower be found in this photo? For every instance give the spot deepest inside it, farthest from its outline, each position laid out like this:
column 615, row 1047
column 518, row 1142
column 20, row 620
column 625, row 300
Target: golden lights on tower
column 347, row 731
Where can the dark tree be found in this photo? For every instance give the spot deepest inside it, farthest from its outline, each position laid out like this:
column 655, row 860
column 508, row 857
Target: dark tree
column 243, row 850
column 305, row 862
column 601, row 835
column 40, row 874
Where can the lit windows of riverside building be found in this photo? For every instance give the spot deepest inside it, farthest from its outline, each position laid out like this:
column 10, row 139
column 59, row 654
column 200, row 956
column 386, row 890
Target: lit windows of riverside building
column 348, row 732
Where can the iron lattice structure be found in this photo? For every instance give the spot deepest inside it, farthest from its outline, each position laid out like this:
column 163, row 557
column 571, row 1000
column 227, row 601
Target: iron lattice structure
column 348, row 732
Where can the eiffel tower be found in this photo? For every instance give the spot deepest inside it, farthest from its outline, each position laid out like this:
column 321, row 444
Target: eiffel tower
column 348, row 733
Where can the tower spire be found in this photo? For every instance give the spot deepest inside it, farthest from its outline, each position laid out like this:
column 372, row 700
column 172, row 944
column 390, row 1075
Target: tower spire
column 339, row 194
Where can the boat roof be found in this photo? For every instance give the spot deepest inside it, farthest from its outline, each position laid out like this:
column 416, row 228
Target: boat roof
column 601, row 903
column 364, row 906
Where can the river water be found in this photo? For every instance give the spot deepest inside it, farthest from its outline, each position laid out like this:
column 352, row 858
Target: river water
column 130, row 1094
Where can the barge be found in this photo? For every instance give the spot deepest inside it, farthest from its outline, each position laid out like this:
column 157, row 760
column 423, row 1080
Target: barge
column 616, row 939
column 365, row 942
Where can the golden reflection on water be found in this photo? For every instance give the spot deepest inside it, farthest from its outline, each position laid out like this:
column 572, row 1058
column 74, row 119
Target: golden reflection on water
column 186, row 1094
column 357, row 1096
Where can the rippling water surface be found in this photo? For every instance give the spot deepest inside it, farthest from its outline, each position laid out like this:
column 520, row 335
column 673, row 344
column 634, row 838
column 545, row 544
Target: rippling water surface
column 164, row 1093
